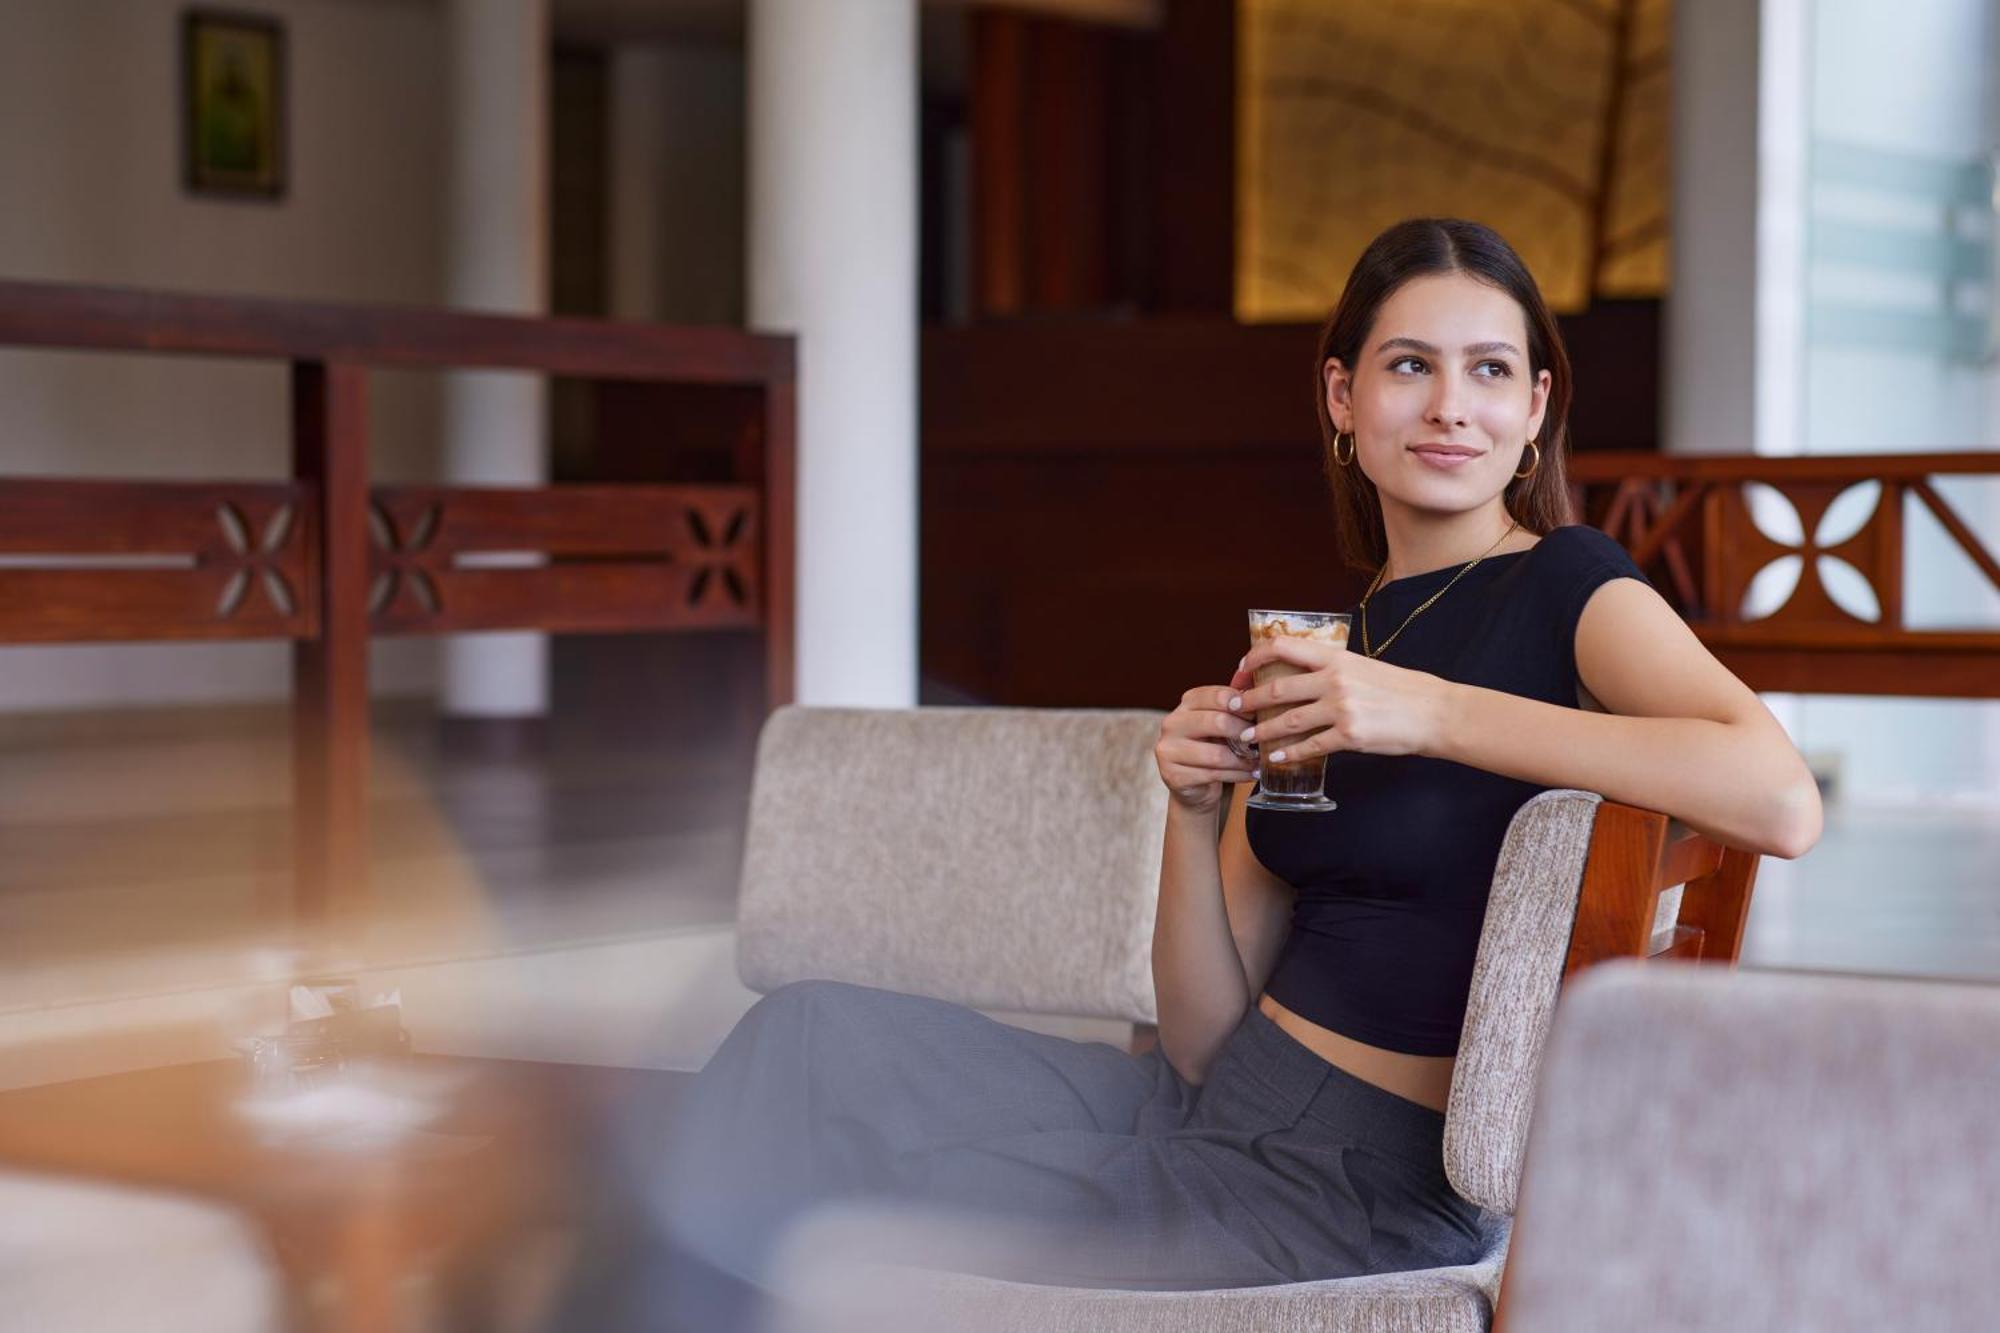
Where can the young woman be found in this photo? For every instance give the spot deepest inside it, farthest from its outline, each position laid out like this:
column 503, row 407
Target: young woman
column 1311, row 970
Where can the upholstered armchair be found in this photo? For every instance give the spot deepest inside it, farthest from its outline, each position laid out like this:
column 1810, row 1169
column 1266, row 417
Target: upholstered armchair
column 1718, row 1150
column 1008, row 859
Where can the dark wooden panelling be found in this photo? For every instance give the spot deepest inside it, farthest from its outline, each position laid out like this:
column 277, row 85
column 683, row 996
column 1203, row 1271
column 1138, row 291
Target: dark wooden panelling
column 1103, row 162
column 999, row 167
column 1114, row 579
column 1103, row 501
column 1086, row 478
column 1194, row 159
column 651, row 432
column 1149, row 385
column 1068, row 150
column 1614, row 355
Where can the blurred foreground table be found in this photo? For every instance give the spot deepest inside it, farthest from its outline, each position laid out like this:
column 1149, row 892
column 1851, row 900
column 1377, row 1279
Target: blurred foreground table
column 371, row 1229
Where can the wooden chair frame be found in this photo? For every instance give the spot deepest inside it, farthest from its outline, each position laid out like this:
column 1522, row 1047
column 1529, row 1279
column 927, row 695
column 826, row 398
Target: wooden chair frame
column 1635, row 856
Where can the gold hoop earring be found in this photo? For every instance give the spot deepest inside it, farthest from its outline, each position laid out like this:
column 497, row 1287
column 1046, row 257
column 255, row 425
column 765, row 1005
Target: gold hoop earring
column 1523, row 476
column 1347, row 461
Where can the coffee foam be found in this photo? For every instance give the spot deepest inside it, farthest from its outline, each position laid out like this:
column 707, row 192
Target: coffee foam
column 1278, row 627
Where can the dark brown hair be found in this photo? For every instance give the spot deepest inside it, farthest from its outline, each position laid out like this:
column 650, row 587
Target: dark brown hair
column 1420, row 247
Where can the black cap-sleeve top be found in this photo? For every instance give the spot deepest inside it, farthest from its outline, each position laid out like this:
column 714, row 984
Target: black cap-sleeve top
column 1392, row 886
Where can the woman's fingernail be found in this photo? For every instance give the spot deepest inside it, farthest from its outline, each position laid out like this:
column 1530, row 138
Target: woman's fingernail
column 1249, row 734
column 1235, row 702
column 1241, row 660
column 1277, row 756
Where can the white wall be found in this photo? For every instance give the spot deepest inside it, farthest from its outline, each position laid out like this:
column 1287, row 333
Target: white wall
column 1916, row 80
column 90, row 172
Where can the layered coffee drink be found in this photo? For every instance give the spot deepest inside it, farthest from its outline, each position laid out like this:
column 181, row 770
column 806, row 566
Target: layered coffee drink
column 1295, row 784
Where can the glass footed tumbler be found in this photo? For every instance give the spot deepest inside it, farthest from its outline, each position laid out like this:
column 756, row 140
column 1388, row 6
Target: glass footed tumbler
column 1296, row 784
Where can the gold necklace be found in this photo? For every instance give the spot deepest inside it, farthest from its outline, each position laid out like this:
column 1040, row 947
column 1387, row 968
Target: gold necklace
column 1363, row 608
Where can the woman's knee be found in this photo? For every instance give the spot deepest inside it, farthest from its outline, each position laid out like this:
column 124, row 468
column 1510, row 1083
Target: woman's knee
column 814, row 1011
column 812, row 995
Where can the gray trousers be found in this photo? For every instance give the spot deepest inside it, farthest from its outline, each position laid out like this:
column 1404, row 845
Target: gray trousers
column 1279, row 1167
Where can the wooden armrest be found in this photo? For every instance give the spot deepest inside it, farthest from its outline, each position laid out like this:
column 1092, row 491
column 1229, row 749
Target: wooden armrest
column 1635, row 855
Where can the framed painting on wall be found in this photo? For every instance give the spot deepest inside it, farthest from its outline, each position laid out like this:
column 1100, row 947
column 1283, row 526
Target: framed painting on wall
column 233, row 90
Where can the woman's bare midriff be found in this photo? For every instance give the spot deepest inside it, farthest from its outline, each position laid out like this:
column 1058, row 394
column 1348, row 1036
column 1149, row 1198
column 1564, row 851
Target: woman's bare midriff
column 1424, row 1079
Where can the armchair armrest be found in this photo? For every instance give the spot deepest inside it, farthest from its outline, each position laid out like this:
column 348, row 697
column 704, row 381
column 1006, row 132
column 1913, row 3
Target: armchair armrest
column 1635, row 856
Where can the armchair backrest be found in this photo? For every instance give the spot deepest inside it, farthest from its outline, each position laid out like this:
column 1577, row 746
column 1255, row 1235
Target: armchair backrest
column 1580, row 879
column 1720, row 1149
column 1001, row 858
column 1530, row 915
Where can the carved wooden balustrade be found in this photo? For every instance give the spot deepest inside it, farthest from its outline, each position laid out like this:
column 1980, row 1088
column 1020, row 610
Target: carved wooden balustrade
column 1687, row 522
column 325, row 560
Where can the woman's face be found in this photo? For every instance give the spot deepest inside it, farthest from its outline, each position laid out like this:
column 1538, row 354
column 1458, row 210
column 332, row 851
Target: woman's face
column 1440, row 400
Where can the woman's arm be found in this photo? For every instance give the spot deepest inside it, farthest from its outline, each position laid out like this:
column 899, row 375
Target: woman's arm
column 1259, row 903
column 1210, row 894
column 1198, row 985
column 1683, row 734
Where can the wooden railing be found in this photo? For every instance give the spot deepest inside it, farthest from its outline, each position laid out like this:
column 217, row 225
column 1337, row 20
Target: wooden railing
column 326, row 560
column 1687, row 522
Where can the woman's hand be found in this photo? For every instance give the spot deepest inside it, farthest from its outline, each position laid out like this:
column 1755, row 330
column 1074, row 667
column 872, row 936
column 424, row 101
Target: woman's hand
column 1194, row 752
column 1343, row 701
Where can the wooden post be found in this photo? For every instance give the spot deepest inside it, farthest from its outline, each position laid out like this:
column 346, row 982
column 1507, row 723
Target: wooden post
column 330, row 669
column 1620, row 890
column 776, row 475
column 1718, row 904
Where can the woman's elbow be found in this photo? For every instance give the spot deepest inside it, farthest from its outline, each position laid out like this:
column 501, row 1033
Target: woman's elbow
column 1796, row 820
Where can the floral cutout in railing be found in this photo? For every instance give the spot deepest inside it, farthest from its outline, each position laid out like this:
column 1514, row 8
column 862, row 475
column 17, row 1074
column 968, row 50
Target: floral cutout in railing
column 1831, row 568
column 716, row 530
column 258, row 560
column 398, row 553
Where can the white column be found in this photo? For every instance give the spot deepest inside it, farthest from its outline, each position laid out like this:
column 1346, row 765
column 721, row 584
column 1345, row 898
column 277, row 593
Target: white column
column 1736, row 300
column 496, row 255
column 832, row 111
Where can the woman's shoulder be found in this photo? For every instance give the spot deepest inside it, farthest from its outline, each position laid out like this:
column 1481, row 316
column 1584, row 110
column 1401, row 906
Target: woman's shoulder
column 1580, row 547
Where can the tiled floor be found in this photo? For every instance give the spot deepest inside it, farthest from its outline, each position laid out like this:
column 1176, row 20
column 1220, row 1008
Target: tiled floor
column 1886, row 890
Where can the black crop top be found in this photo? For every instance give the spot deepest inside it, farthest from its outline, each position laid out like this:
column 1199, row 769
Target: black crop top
column 1392, row 886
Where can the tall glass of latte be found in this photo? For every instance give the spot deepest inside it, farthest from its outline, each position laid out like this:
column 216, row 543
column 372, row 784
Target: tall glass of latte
column 1296, row 784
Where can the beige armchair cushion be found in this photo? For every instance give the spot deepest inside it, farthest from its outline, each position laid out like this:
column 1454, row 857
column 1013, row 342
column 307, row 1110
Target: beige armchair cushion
column 996, row 858
column 1721, row 1149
